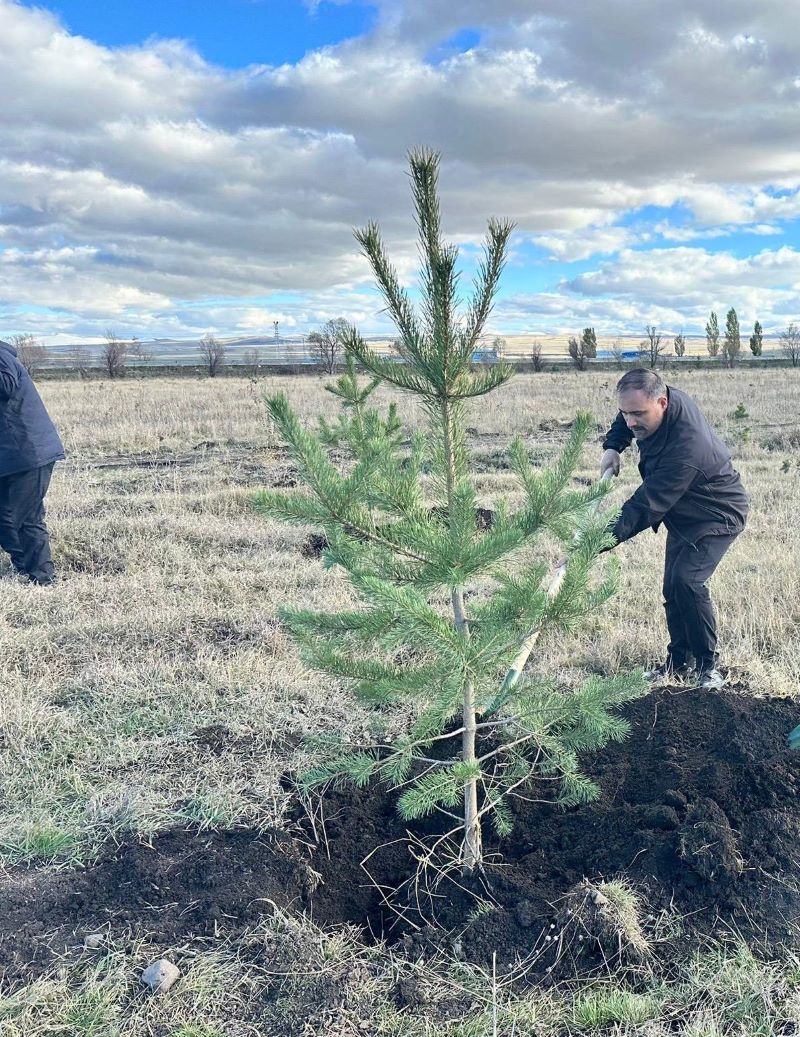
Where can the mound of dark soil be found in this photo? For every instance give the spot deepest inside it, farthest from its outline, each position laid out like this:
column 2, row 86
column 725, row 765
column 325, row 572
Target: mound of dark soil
column 699, row 812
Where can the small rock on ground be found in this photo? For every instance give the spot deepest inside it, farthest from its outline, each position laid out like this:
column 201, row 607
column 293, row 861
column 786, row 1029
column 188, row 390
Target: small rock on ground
column 160, row 976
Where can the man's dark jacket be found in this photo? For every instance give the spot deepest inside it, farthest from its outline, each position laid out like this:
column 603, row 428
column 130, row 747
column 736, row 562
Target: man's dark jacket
column 689, row 483
column 28, row 438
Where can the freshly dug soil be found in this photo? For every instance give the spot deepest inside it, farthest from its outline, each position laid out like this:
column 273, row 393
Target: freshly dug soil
column 185, row 885
column 699, row 812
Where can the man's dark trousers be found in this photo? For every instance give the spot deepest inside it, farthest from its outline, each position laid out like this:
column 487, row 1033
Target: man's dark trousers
column 23, row 533
column 690, row 615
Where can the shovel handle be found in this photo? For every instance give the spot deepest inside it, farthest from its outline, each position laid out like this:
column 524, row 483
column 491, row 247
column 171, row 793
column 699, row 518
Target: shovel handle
column 518, row 665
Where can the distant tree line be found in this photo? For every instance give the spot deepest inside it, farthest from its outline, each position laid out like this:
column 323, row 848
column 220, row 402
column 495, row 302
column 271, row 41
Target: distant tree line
column 327, row 349
column 653, row 347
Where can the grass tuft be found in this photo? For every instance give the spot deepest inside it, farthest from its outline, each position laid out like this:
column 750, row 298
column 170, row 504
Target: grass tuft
column 601, row 1007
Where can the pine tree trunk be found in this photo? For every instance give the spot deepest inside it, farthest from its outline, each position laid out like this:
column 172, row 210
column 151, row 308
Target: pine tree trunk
column 472, row 851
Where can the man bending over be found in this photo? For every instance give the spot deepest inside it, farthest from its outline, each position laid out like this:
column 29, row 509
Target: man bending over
column 689, row 484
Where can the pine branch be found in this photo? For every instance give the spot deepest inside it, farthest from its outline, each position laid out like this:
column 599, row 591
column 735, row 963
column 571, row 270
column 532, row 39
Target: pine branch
column 488, row 279
column 397, row 300
column 442, row 787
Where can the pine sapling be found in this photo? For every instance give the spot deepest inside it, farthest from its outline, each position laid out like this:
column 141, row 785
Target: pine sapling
column 448, row 611
column 356, row 424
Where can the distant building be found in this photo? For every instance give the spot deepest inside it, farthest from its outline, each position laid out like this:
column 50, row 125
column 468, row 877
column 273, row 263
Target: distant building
column 609, row 354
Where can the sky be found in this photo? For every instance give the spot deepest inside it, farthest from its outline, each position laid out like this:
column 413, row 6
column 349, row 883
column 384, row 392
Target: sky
column 170, row 169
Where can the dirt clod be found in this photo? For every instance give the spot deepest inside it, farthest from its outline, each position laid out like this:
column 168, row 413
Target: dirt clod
column 603, row 918
column 708, row 843
column 314, row 545
column 524, row 913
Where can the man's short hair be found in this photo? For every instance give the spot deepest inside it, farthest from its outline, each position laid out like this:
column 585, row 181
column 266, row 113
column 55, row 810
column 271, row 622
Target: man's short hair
column 641, row 380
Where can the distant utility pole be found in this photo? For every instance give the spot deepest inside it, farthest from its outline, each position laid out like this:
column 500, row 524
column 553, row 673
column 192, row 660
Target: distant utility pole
column 275, row 326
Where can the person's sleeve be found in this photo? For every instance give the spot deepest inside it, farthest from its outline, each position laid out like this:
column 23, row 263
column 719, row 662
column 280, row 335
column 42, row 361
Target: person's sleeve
column 9, row 377
column 619, row 436
column 654, row 498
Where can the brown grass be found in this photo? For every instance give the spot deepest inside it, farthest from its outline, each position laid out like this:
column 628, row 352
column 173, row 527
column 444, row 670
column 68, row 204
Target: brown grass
column 164, row 620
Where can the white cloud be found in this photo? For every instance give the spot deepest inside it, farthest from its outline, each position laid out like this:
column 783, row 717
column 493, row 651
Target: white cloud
column 573, row 245
column 138, row 183
column 682, row 285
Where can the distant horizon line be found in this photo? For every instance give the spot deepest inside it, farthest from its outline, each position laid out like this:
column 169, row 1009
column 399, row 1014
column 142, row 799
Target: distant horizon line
column 301, row 337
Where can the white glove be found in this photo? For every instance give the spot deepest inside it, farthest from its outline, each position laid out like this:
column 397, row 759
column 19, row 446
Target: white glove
column 610, row 462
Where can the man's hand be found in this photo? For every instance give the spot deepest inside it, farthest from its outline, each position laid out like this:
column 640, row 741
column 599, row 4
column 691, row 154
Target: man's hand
column 610, row 462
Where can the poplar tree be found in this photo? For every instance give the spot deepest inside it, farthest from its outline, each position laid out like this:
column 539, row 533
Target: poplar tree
column 448, row 612
column 712, row 334
column 757, row 340
column 733, row 341
column 589, row 342
column 583, row 349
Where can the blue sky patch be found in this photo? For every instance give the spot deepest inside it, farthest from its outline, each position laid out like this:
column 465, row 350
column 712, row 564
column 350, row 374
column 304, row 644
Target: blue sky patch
column 231, row 33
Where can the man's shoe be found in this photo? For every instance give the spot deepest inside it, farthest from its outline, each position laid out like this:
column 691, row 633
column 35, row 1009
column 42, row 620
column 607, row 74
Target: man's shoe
column 711, row 680
column 42, row 580
column 667, row 672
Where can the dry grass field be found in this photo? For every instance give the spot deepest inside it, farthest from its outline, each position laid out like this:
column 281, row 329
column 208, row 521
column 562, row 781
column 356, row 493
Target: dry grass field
column 152, row 688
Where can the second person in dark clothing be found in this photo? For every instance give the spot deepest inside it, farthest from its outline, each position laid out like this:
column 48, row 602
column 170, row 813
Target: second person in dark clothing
column 29, row 449
column 689, row 484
